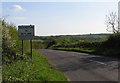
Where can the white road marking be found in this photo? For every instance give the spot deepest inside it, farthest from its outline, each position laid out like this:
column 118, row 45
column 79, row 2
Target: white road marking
column 98, row 62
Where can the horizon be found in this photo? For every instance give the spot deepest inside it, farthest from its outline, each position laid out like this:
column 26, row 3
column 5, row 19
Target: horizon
column 60, row 18
column 76, row 34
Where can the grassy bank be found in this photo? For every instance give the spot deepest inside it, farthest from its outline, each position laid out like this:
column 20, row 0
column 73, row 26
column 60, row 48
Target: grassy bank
column 19, row 68
column 97, row 44
column 110, row 47
column 100, row 52
column 35, row 69
column 76, row 50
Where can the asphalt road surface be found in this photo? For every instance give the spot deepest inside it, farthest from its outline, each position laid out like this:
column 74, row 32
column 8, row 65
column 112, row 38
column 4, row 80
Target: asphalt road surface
column 82, row 66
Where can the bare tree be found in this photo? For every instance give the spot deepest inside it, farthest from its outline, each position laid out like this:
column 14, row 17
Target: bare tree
column 112, row 22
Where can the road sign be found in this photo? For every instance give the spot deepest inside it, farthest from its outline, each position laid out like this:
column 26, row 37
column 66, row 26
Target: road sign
column 26, row 32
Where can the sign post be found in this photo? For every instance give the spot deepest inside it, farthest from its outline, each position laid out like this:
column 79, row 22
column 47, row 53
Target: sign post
column 22, row 47
column 26, row 32
column 31, row 48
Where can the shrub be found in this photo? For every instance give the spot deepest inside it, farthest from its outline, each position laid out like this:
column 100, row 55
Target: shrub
column 111, row 47
column 10, row 44
column 112, row 42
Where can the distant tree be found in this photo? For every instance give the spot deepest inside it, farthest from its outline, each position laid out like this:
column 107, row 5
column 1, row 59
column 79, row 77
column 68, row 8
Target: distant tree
column 50, row 42
column 112, row 22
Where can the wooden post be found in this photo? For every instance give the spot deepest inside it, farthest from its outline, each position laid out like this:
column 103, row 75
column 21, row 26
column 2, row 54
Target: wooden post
column 31, row 48
column 22, row 47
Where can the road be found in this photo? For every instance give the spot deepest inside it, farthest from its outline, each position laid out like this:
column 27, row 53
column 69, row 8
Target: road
column 83, row 67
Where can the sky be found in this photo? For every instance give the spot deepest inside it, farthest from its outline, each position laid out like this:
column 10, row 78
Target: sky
column 60, row 18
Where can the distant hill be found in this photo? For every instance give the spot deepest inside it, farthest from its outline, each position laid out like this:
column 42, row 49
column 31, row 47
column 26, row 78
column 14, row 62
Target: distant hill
column 94, row 37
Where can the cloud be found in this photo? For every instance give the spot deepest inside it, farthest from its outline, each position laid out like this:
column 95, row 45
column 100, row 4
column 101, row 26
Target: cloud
column 17, row 8
column 19, row 18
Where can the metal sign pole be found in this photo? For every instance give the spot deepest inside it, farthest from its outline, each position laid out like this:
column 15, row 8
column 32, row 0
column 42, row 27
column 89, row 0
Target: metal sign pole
column 22, row 47
column 31, row 48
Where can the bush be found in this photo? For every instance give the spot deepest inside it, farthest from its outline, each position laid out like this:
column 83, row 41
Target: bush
column 111, row 47
column 38, row 44
column 114, row 41
column 10, row 44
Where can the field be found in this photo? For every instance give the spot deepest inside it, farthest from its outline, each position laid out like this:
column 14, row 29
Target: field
column 99, row 44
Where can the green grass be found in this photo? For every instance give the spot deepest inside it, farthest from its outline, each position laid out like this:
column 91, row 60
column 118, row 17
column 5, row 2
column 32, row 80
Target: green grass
column 108, row 52
column 76, row 49
column 109, row 48
column 35, row 69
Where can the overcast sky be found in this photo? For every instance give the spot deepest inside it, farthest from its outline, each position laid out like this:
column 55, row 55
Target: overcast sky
column 60, row 18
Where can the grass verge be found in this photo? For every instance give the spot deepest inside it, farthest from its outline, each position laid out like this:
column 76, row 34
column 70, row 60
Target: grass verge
column 109, row 53
column 76, row 50
column 35, row 69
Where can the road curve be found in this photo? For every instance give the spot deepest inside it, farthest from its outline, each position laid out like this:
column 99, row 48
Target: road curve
column 82, row 66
